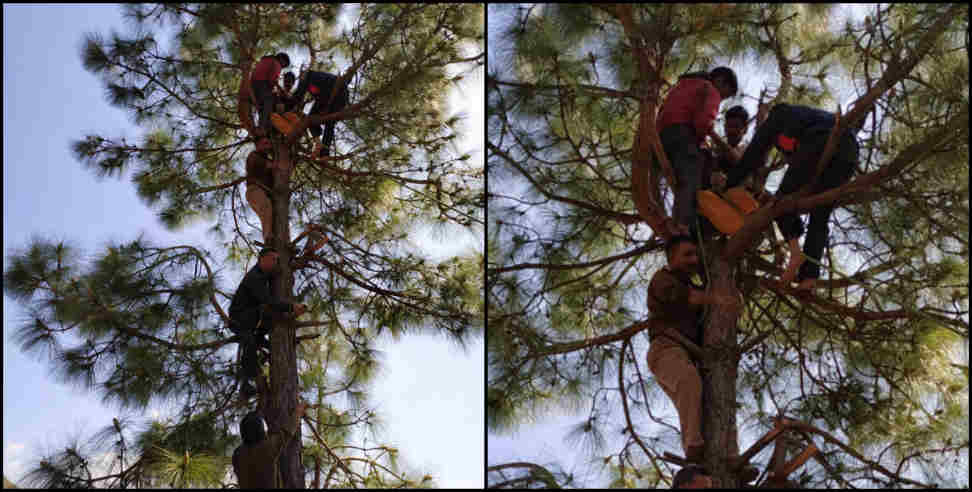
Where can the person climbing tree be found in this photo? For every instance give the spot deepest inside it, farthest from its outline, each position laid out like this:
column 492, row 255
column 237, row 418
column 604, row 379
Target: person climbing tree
column 321, row 85
column 800, row 133
column 284, row 100
column 248, row 314
column 256, row 461
column 692, row 477
column 684, row 122
column 259, row 180
column 262, row 80
column 676, row 305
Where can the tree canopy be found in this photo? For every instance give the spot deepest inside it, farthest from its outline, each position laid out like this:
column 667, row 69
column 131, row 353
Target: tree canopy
column 142, row 323
column 876, row 359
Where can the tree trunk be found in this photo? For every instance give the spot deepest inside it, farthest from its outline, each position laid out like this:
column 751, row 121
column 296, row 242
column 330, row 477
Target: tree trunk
column 283, row 357
column 719, row 374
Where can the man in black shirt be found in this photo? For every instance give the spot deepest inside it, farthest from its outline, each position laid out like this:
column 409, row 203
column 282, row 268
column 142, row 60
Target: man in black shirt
column 800, row 133
column 249, row 314
column 321, row 85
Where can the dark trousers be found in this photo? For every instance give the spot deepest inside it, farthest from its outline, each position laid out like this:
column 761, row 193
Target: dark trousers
column 801, row 167
column 687, row 161
column 252, row 327
column 326, row 130
column 263, row 93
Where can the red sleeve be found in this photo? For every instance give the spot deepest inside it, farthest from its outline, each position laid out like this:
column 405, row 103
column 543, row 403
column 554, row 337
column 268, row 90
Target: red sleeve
column 275, row 72
column 704, row 118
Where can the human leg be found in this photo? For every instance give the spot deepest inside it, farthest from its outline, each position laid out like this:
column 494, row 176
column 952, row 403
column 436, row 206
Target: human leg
column 263, row 94
column 687, row 162
column 679, row 379
column 260, row 203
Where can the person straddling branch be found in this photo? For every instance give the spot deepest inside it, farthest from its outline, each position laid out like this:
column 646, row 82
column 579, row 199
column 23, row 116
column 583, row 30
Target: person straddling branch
column 256, row 461
column 677, row 305
column 320, row 85
column 250, row 314
column 685, row 121
column 262, row 81
column 800, row 133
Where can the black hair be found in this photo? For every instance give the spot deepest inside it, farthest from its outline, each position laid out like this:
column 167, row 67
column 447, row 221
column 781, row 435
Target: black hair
column 728, row 75
column 675, row 241
column 686, row 475
column 283, row 59
column 252, row 428
column 738, row 112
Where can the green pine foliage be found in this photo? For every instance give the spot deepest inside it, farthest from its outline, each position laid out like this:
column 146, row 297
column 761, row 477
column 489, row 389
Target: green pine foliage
column 877, row 358
column 143, row 324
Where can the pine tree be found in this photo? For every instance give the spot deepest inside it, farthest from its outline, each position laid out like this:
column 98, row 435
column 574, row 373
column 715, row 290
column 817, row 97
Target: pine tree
column 865, row 365
column 143, row 323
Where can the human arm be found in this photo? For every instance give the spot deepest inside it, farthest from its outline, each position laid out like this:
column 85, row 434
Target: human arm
column 699, row 297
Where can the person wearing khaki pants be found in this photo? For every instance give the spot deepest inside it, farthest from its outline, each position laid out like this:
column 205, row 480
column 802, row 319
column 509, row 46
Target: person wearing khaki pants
column 677, row 305
column 258, row 172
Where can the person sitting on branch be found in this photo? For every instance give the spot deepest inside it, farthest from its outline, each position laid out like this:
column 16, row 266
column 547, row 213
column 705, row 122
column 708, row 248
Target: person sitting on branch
column 800, row 133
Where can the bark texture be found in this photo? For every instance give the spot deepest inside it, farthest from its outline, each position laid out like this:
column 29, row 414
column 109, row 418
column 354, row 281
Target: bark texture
column 283, row 357
column 719, row 373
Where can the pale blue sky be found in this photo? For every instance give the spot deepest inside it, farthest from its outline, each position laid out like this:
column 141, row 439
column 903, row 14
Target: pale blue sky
column 430, row 394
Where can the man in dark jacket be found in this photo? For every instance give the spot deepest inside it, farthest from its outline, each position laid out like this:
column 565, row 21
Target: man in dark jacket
column 685, row 121
column 800, row 133
column 249, row 314
column 321, row 85
column 256, row 462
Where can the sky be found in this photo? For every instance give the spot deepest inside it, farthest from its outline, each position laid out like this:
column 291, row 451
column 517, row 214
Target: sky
column 542, row 442
column 433, row 413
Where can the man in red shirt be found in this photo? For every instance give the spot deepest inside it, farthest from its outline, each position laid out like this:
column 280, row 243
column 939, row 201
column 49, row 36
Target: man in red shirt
column 262, row 80
column 685, row 120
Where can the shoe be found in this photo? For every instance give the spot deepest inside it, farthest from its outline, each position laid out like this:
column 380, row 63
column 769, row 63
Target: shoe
column 283, row 125
column 721, row 214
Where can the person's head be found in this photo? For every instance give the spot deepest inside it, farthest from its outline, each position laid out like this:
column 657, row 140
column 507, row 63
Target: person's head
column 692, row 477
column 724, row 79
column 288, row 80
column 252, row 428
column 682, row 253
column 736, row 119
column 268, row 259
column 283, row 59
